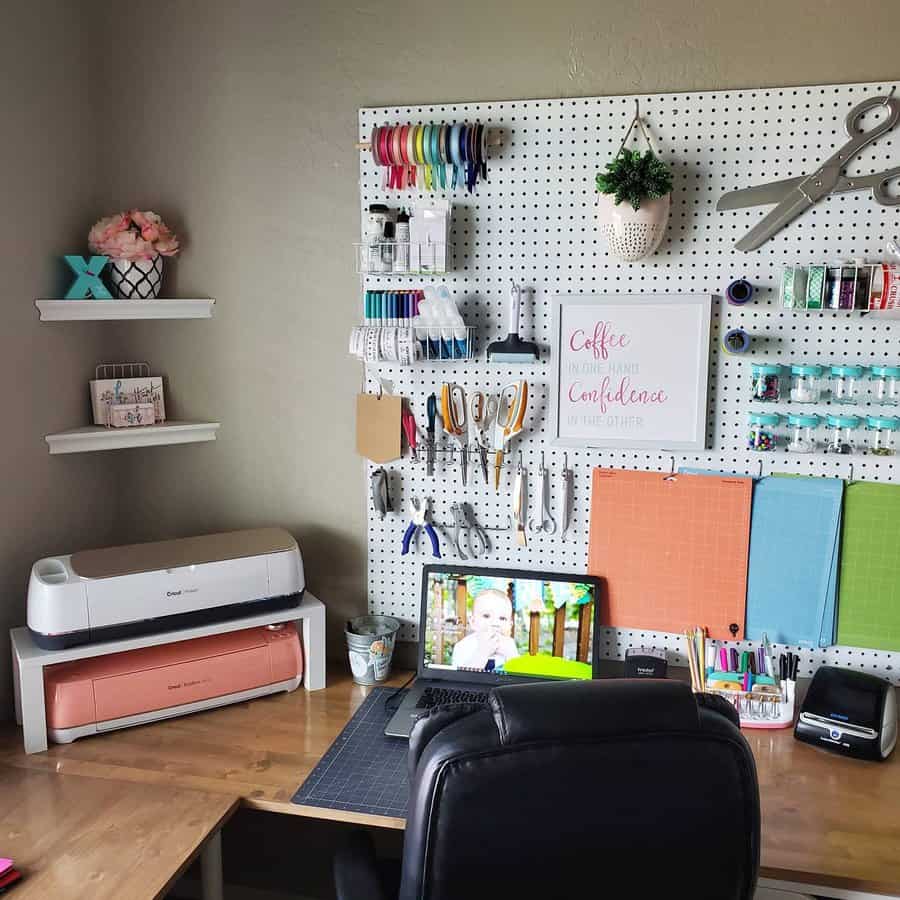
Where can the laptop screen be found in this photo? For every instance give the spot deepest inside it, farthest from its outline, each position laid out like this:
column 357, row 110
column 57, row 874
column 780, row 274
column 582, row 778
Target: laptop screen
column 522, row 624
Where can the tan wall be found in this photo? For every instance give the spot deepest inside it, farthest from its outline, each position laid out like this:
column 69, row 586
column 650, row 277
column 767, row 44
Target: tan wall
column 237, row 121
column 243, row 135
column 48, row 163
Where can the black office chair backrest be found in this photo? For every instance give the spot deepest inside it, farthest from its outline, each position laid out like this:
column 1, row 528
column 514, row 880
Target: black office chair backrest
column 603, row 789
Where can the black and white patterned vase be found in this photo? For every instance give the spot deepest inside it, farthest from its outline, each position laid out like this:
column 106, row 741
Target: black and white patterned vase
column 138, row 279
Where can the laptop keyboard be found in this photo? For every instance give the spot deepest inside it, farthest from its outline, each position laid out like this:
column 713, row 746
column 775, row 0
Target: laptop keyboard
column 435, row 696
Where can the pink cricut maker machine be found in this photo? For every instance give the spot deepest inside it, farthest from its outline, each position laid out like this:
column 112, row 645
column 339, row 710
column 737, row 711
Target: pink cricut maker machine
column 89, row 696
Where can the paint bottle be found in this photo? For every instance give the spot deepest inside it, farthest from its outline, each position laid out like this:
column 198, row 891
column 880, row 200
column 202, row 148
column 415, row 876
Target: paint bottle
column 401, row 247
column 375, row 222
column 387, row 248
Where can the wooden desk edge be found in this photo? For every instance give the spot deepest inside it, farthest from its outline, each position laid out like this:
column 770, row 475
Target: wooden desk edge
column 318, row 812
column 812, row 880
column 233, row 807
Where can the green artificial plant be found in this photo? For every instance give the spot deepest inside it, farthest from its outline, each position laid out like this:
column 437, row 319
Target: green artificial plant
column 635, row 176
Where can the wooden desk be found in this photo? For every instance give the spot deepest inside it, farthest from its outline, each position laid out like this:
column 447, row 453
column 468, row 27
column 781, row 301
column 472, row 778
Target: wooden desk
column 826, row 821
column 77, row 837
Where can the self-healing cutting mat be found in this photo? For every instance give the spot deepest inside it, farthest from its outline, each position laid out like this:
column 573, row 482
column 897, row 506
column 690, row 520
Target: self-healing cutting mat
column 869, row 609
column 794, row 540
column 362, row 771
column 671, row 550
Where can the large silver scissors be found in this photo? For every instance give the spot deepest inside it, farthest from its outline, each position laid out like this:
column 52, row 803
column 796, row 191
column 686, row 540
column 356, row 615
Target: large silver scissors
column 796, row 195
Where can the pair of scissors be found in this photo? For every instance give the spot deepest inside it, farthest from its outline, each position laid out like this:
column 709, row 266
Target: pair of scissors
column 453, row 412
column 482, row 410
column 511, row 405
column 796, row 195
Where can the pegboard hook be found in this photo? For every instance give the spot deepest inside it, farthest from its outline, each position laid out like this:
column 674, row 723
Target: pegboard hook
column 760, row 473
column 850, row 479
column 888, row 98
column 671, row 475
column 635, row 121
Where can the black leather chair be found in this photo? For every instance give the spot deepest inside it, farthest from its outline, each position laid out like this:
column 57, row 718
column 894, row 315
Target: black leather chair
column 605, row 789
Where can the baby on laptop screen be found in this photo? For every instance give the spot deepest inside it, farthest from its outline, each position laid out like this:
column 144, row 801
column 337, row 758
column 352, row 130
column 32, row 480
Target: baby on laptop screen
column 488, row 644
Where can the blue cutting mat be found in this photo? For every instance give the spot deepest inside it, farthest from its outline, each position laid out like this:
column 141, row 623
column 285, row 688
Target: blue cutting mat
column 362, row 771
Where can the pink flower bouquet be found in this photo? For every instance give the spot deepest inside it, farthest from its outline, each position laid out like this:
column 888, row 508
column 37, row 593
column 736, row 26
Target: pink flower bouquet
column 132, row 235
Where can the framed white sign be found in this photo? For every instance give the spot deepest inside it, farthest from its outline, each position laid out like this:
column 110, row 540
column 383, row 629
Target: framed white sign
column 630, row 370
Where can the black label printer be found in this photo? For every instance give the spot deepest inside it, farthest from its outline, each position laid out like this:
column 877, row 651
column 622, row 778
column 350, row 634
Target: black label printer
column 849, row 712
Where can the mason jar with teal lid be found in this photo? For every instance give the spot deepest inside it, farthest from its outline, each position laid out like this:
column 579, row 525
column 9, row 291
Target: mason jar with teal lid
column 885, row 384
column 766, row 381
column 806, row 384
column 882, row 434
column 762, row 433
column 803, row 428
column 841, row 434
column 846, row 383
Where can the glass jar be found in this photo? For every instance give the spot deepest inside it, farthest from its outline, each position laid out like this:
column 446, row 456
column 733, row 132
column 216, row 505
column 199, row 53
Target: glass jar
column 882, row 434
column 761, row 435
column 885, row 384
column 846, row 383
column 766, row 382
column 840, row 435
column 806, row 384
column 803, row 433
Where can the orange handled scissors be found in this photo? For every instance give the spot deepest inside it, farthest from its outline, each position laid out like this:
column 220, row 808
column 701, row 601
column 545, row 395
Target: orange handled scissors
column 512, row 403
column 453, row 412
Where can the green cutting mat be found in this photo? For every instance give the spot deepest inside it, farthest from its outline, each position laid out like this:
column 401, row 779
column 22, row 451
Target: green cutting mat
column 869, row 605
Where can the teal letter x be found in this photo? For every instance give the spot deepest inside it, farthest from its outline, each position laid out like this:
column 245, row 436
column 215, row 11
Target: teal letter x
column 88, row 283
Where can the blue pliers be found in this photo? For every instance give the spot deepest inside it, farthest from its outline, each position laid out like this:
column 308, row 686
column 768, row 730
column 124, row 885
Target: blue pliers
column 418, row 514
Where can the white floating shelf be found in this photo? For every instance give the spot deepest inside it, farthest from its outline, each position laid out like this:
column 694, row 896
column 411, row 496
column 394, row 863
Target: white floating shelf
column 97, row 437
column 96, row 310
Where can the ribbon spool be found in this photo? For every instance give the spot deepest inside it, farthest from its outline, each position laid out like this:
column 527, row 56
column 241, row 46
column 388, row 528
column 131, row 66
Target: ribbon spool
column 736, row 341
column 739, row 292
column 420, row 155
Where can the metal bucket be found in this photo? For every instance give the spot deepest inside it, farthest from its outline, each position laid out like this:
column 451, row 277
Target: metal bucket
column 370, row 646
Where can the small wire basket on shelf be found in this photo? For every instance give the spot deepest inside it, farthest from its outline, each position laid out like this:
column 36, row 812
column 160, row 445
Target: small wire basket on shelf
column 409, row 344
column 401, row 258
column 126, row 394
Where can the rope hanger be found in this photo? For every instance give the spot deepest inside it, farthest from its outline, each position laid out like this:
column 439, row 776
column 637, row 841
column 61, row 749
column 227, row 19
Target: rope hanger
column 636, row 121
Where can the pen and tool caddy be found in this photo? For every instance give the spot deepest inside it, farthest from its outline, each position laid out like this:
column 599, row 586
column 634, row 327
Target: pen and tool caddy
column 746, row 679
column 758, row 708
column 126, row 394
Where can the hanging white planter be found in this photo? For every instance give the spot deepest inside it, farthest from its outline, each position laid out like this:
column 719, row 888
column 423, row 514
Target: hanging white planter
column 633, row 234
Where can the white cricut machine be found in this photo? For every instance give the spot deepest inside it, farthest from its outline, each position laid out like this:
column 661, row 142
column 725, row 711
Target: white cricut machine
column 118, row 592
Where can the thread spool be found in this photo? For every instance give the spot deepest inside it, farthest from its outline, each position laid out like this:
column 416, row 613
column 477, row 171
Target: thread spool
column 739, row 292
column 736, row 341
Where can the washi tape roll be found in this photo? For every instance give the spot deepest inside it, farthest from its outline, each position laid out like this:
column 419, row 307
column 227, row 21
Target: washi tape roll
column 736, row 341
column 739, row 292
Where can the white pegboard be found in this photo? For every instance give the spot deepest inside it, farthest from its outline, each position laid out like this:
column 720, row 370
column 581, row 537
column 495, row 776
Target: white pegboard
column 533, row 220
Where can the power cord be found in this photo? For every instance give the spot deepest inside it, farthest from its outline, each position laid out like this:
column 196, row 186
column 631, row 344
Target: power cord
column 388, row 707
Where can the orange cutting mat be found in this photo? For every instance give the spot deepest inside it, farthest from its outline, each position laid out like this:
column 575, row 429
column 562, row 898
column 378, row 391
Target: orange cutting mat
column 673, row 552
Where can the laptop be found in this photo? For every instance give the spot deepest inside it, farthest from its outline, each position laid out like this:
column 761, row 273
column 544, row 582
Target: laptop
column 480, row 628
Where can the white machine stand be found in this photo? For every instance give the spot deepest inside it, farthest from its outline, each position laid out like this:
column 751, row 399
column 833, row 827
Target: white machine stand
column 29, row 660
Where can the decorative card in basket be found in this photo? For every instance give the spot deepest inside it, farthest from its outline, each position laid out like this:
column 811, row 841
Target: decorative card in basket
column 126, row 415
column 126, row 384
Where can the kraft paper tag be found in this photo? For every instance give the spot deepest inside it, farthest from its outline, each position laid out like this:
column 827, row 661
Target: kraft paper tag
column 378, row 427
